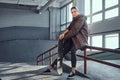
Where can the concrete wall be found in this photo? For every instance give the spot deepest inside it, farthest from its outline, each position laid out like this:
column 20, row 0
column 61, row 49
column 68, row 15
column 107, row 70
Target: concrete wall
column 24, row 34
column 54, row 22
column 18, row 17
column 105, row 26
column 23, row 44
column 23, row 50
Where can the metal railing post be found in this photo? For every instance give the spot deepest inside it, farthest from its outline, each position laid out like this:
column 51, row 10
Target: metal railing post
column 37, row 61
column 85, row 62
column 42, row 59
column 50, row 58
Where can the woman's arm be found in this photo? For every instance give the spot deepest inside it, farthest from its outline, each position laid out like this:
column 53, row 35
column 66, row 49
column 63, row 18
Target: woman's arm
column 66, row 31
column 63, row 34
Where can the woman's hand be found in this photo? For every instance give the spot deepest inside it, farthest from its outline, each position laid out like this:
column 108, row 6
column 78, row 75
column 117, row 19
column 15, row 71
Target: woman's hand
column 61, row 36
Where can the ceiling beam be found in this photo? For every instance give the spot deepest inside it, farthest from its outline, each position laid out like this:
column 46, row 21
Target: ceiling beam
column 43, row 8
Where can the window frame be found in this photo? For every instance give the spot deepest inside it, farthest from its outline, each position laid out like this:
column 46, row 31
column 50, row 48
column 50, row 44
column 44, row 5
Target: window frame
column 110, row 36
column 102, row 11
column 66, row 22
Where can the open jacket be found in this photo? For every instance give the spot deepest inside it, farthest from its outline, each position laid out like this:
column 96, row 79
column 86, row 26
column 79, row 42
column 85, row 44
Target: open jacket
column 78, row 32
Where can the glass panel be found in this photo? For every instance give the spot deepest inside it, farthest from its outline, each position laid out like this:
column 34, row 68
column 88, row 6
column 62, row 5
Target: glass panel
column 95, row 6
column 111, row 13
column 110, row 3
column 63, row 27
column 97, row 17
column 88, row 43
column 63, row 15
column 87, row 7
column 88, row 20
column 69, row 15
column 88, row 40
column 112, row 41
column 97, row 41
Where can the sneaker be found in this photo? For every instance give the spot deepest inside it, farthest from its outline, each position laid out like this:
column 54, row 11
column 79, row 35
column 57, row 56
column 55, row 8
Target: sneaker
column 47, row 71
column 71, row 75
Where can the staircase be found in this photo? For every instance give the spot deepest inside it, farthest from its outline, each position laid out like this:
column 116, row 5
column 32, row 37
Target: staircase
column 88, row 68
column 30, row 71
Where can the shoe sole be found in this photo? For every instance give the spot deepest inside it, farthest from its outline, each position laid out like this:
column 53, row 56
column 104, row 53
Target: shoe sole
column 70, row 77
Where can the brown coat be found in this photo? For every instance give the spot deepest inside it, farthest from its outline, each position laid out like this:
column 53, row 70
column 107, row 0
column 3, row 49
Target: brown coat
column 78, row 31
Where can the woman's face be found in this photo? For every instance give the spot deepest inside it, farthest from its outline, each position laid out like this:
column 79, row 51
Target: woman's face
column 74, row 12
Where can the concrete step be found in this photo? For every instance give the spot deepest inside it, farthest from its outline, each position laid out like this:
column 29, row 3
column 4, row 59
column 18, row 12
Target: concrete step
column 30, row 71
column 27, row 71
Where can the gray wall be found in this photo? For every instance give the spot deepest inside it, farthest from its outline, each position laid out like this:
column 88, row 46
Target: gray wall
column 24, row 34
column 105, row 26
column 23, row 50
column 18, row 17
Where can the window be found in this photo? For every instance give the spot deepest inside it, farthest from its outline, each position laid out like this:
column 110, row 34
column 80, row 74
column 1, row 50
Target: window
column 63, row 27
column 97, row 41
column 89, row 40
column 66, row 16
column 112, row 41
column 97, row 17
column 69, row 15
column 88, row 20
column 110, row 3
column 63, row 15
column 93, row 9
column 96, row 5
column 111, row 13
column 87, row 7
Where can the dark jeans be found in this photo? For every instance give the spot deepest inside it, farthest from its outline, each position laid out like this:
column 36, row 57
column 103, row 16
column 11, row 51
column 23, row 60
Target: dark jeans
column 64, row 46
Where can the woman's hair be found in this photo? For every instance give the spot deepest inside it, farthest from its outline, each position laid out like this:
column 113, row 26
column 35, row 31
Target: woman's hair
column 74, row 8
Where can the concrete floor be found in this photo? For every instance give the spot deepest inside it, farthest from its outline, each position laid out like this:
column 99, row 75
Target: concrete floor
column 29, row 71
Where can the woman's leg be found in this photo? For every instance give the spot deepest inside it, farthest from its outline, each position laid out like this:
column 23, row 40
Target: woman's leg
column 64, row 46
column 73, row 59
